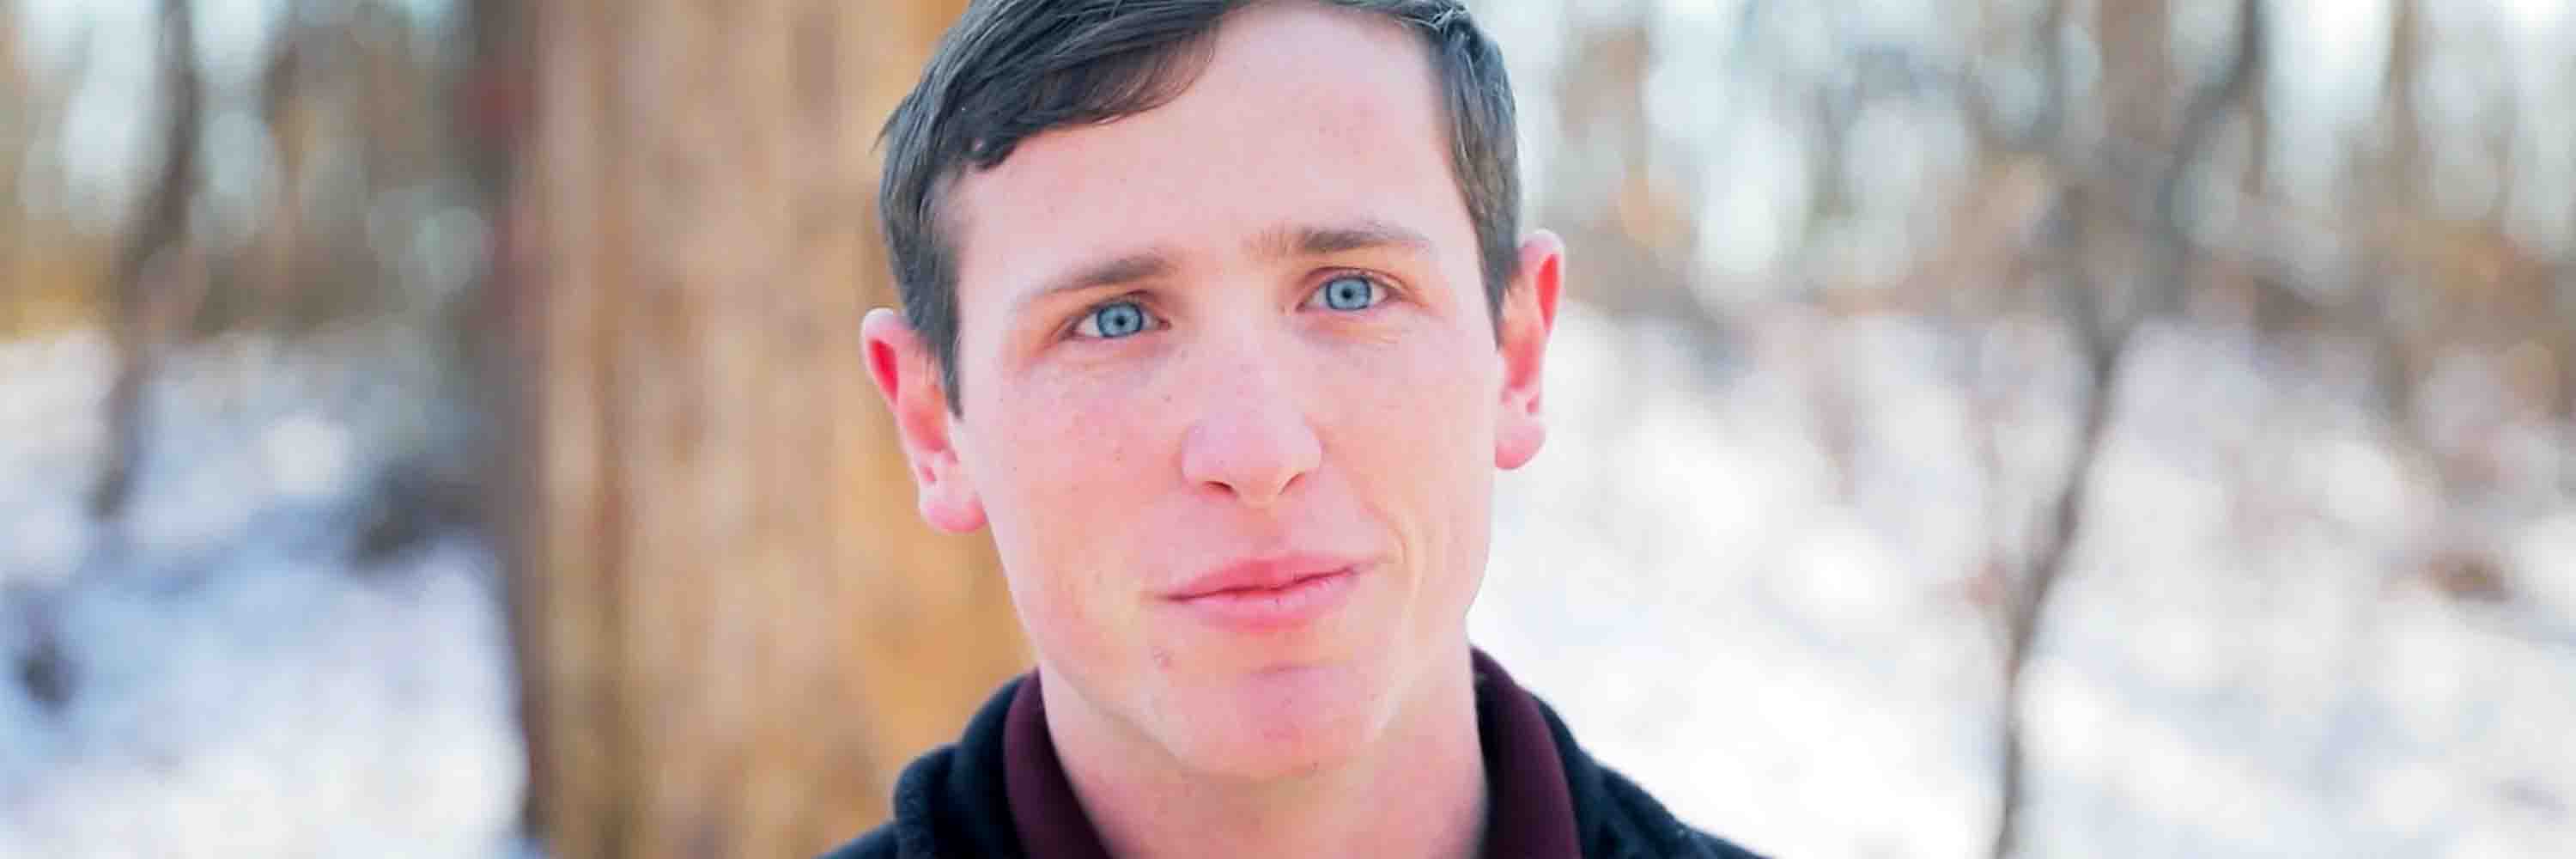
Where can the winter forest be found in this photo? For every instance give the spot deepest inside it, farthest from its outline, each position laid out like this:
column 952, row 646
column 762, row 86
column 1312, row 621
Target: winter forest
column 1979, row 428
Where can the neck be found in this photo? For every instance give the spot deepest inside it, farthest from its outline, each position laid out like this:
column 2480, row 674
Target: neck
column 1418, row 789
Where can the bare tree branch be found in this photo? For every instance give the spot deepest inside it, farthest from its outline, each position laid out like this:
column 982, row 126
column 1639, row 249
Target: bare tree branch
column 2105, row 334
column 148, row 271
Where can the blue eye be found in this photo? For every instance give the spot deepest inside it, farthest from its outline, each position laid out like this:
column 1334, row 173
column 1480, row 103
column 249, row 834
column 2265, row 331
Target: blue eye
column 1349, row 292
column 1113, row 320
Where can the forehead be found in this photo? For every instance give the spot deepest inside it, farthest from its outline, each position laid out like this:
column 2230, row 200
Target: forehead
column 1302, row 114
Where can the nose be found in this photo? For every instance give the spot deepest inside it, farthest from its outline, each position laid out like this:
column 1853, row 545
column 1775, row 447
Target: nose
column 1251, row 440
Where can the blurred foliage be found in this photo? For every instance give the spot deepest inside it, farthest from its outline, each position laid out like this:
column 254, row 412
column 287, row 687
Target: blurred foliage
column 309, row 151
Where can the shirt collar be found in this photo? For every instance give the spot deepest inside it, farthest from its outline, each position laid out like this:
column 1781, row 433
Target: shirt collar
column 1530, row 812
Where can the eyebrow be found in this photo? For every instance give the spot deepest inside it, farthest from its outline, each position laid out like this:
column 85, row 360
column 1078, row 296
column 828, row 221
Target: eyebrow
column 1143, row 265
column 1282, row 242
column 1327, row 239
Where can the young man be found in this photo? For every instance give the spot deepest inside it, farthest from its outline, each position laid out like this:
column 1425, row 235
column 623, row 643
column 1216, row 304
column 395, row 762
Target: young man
column 1218, row 314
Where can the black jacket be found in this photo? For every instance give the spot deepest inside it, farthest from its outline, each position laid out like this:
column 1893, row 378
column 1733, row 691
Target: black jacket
column 952, row 803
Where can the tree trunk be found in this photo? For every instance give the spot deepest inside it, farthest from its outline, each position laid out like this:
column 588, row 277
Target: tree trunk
column 733, row 629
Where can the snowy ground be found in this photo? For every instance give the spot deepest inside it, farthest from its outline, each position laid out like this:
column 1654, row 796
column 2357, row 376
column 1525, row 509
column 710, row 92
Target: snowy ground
column 1751, row 597
column 1777, row 639
column 245, row 674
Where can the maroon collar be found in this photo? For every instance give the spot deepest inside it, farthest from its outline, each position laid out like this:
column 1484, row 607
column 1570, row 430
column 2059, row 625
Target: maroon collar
column 1532, row 809
column 1531, row 812
column 1043, row 808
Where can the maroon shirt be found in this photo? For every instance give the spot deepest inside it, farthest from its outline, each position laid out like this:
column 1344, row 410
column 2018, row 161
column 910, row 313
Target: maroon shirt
column 1530, row 812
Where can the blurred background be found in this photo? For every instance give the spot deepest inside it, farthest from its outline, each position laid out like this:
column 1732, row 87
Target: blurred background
column 1981, row 428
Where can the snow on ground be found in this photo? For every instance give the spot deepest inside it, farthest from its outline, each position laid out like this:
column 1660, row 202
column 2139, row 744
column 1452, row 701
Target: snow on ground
column 242, row 677
column 1776, row 639
column 1745, row 583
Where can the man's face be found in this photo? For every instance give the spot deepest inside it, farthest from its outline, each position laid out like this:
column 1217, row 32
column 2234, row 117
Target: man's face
column 1239, row 339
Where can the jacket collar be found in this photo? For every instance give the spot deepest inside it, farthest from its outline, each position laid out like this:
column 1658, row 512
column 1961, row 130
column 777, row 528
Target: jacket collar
column 1530, row 808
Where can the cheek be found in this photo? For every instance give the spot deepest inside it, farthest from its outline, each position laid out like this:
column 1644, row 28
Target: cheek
column 1433, row 397
column 1430, row 471
column 1054, row 472
column 1417, row 434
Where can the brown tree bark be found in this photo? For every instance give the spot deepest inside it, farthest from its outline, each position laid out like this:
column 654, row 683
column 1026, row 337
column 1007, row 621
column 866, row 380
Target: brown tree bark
column 733, row 629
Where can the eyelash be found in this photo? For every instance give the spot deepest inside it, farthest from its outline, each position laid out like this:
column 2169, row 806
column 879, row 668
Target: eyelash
column 1144, row 302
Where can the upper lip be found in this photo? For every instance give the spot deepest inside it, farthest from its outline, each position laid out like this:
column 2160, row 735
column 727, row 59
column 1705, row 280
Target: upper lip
column 1269, row 571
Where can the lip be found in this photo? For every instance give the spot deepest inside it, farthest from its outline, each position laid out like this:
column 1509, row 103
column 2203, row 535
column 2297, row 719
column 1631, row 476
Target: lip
column 1272, row 592
column 1263, row 573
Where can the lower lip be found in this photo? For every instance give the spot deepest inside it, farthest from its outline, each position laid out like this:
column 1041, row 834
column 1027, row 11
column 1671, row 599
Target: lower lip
column 1294, row 604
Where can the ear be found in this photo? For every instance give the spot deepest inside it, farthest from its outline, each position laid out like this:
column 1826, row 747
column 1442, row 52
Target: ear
column 908, row 378
column 1529, row 315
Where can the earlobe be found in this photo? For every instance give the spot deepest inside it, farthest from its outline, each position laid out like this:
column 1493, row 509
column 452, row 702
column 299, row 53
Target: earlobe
column 953, row 509
column 1529, row 316
column 908, row 380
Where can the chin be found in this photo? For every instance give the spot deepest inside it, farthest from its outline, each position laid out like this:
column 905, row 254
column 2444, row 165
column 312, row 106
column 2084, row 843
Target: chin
column 1281, row 724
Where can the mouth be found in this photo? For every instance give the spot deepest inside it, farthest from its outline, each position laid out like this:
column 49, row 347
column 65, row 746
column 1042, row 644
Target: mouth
column 1268, row 596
